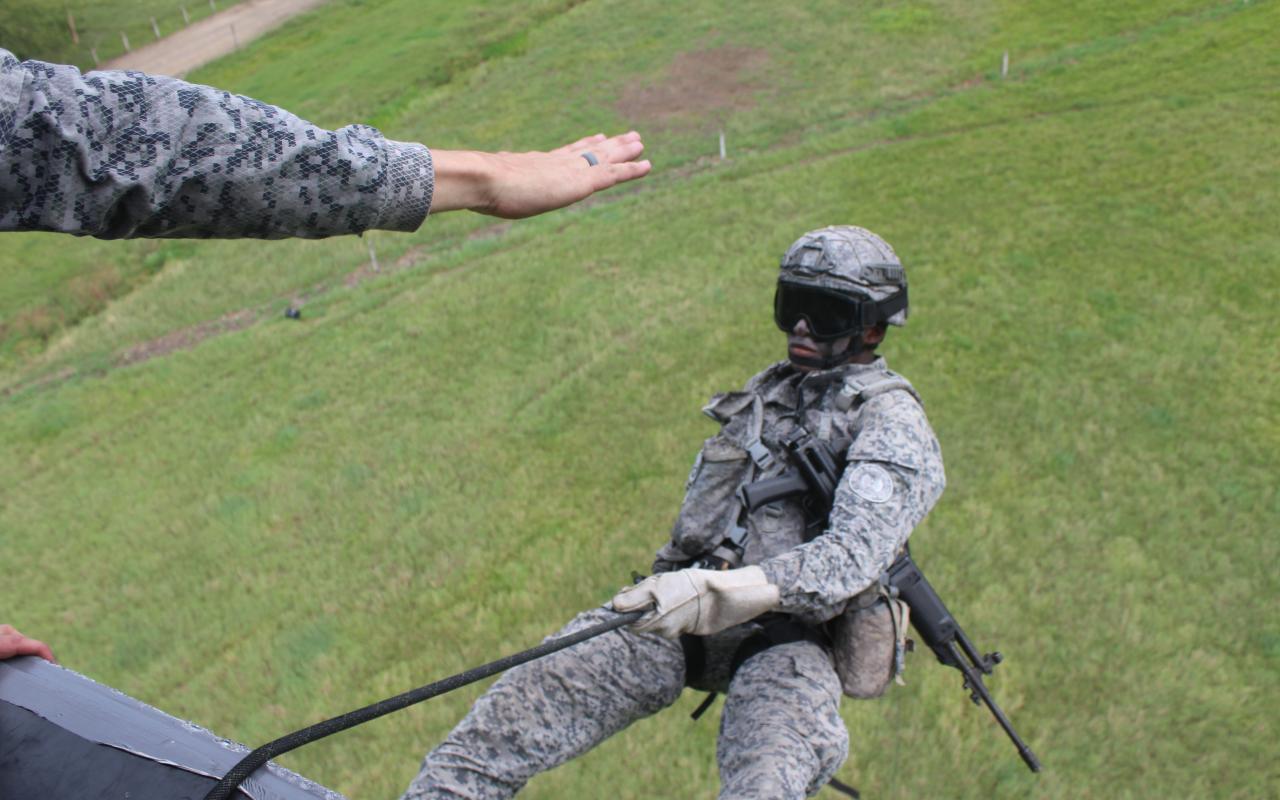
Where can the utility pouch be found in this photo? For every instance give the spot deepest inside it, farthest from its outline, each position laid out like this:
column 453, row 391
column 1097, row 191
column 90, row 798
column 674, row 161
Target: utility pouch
column 709, row 506
column 868, row 643
column 728, row 460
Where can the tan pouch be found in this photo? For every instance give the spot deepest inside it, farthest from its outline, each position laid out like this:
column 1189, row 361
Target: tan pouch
column 868, row 640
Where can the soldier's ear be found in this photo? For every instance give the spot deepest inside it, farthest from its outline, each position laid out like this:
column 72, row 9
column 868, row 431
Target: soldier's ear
column 874, row 335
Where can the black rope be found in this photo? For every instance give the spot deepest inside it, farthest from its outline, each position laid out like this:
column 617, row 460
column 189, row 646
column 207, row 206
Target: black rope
column 246, row 766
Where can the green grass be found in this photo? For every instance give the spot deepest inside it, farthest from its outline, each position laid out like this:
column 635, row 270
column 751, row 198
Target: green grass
column 440, row 465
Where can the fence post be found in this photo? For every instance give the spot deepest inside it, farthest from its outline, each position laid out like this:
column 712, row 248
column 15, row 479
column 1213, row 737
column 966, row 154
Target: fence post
column 1004, row 65
column 71, row 23
column 213, row 6
column 155, row 28
column 93, row 53
column 186, row 18
column 722, row 145
column 124, row 39
column 234, row 39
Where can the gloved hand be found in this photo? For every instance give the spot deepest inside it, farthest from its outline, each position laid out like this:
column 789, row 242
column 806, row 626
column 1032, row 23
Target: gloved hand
column 700, row 601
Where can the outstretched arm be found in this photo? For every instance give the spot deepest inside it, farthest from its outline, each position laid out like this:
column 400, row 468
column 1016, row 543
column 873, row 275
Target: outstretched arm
column 125, row 154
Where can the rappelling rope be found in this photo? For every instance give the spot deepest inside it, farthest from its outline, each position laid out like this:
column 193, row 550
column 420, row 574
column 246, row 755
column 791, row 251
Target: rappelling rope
column 246, row 766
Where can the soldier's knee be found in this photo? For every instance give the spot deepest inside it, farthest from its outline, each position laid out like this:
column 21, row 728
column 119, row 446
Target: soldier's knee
column 782, row 735
column 451, row 773
column 830, row 752
column 780, row 760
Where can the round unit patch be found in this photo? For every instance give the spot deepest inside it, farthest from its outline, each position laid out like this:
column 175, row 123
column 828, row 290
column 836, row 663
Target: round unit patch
column 871, row 482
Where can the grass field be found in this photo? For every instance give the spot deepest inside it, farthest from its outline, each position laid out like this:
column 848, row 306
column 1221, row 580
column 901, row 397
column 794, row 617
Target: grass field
column 443, row 461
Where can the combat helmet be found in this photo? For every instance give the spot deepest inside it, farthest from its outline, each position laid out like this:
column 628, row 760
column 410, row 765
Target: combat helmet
column 841, row 280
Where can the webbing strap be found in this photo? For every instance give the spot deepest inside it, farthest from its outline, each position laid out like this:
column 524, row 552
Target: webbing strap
column 859, row 389
column 781, row 629
column 695, row 657
column 703, row 706
column 760, row 455
column 888, row 307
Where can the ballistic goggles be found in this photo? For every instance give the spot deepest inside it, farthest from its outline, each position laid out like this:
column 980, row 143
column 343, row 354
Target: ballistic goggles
column 831, row 314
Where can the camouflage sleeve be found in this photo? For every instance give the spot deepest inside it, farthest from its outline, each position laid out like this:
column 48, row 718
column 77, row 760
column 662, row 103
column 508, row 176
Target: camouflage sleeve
column 893, row 478
column 122, row 154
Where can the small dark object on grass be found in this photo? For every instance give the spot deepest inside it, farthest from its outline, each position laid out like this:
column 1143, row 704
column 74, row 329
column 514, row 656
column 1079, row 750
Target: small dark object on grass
column 293, row 313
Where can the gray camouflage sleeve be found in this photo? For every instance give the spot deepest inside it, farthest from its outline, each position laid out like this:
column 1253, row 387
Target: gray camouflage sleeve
column 893, row 478
column 124, row 154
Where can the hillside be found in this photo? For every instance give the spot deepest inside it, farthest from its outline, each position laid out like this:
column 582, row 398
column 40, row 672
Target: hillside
column 255, row 522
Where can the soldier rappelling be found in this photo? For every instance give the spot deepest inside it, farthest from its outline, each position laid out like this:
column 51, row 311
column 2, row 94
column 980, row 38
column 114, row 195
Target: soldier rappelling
column 781, row 611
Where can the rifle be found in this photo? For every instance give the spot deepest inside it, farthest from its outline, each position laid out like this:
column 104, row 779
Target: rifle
column 815, row 466
column 930, row 617
column 813, row 479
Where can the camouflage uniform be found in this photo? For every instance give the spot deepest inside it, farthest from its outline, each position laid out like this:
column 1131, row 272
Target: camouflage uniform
column 120, row 154
column 781, row 735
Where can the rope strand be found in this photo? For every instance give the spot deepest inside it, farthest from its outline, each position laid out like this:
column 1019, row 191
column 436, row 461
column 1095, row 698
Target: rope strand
column 247, row 765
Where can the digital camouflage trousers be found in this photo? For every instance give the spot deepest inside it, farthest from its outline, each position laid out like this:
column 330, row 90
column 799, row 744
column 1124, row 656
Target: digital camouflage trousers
column 781, row 735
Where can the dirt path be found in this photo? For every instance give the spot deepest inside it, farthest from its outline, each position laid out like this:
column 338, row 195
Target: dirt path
column 212, row 37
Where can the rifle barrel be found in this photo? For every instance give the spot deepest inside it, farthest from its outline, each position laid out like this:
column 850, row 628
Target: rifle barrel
column 973, row 681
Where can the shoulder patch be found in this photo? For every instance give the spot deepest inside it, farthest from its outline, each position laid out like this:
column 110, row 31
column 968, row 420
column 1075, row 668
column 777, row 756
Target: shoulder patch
column 871, row 482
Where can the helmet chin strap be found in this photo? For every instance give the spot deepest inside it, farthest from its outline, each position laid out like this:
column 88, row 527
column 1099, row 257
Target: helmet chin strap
column 835, row 359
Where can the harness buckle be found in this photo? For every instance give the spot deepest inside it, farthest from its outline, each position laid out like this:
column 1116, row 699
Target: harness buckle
column 760, row 455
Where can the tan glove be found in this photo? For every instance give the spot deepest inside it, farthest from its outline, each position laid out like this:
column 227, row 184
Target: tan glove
column 700, row 601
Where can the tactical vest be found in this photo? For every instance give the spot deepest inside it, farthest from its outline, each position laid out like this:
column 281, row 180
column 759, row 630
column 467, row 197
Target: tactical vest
column 748, row 448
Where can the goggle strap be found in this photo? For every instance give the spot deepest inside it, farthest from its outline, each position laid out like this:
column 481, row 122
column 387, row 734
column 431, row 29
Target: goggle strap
column 886, row 308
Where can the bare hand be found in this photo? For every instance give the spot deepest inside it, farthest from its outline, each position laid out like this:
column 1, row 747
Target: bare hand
column 13, row 643
column 516, row 185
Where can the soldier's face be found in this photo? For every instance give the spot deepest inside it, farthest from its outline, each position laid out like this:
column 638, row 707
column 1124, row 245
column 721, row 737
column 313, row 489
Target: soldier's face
column 806, row 352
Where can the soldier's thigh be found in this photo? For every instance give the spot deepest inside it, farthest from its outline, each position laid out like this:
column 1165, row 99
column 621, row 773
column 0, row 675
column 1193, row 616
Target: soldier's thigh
column 781, row 735
column 619, row 676
column 545, row 712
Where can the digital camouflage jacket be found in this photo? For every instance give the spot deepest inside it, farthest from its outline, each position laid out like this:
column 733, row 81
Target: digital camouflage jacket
column 892, row 479
column 122, row 154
